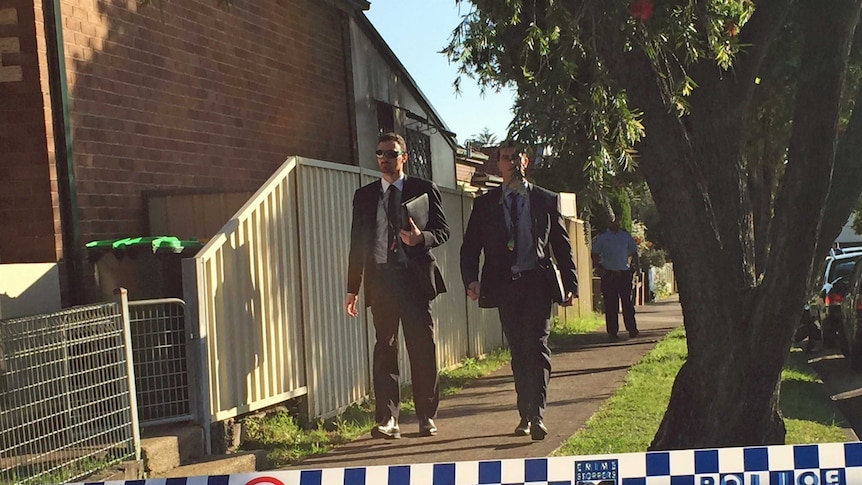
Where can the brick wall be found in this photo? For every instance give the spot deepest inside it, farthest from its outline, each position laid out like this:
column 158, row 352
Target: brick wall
column 29, row 220
column 190, row 95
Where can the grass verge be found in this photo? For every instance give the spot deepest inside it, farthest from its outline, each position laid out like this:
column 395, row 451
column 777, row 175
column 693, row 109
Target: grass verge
column 628, row 421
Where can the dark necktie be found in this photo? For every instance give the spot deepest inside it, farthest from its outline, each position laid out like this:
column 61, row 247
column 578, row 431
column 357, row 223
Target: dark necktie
column 393, row 221
column 513, row 217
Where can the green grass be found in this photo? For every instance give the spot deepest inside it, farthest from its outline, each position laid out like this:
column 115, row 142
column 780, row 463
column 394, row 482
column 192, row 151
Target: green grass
column 628, row 421
column 809, row 413
column 563, row 333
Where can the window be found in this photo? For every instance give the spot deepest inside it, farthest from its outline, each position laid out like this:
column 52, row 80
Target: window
column 385, row 118
column 419, row 154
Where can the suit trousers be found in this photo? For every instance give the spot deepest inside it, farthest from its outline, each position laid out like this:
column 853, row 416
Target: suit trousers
column 525, row 310
column 398, row 300
column 616, row 290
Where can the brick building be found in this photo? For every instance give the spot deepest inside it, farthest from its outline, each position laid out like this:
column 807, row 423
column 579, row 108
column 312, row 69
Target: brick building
column 180, row 96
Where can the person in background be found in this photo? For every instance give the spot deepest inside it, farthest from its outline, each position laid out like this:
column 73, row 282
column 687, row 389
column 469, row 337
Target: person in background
column 519, row 227
column 612, row 253
column 401, row 279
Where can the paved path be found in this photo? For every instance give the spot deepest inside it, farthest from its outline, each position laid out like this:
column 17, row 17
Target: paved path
column 477, row 423
column 844, row 387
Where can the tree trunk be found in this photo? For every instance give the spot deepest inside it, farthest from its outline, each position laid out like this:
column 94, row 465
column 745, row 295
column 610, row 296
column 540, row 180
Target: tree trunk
column 739, row 323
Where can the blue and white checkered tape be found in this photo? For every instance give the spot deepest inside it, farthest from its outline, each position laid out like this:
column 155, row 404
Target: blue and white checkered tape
column 822, row 464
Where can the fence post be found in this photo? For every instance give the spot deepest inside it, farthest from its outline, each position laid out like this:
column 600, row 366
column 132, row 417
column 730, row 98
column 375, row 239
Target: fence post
column 121, row 298
column 196, row 344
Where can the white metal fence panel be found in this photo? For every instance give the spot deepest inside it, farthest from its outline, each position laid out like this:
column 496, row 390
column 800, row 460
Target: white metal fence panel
column 336, row 346
column 663, row 279
column 266, row 298
column 449, row 309
column 66, row 401
column 248, row 304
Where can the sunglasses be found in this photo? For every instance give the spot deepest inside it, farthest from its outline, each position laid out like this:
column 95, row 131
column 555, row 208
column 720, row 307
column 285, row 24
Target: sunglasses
column 389, row 153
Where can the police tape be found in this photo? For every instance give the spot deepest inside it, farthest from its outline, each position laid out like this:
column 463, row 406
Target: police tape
column 821, row 464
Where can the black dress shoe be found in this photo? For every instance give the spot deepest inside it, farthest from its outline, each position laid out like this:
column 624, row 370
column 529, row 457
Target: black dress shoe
column 387, row 430
column 538, row 431
column 523, row 428
column 427, row 427
column 634, row 333
column 613, row 337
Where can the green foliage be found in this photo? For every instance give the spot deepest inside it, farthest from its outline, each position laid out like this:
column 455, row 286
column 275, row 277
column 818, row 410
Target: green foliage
column 563, row 333
column 856, row 225
column 628, row 421
column 483, row 139
column 556, row 54
column 652, row 257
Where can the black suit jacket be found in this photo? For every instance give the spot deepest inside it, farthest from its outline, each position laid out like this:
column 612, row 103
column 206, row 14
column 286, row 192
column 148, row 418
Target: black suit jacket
column 486, row 231
column 420, row 261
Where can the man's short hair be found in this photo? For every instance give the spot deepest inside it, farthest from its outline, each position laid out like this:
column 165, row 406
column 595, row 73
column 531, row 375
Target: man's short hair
column 392, row 136
column 520, row 149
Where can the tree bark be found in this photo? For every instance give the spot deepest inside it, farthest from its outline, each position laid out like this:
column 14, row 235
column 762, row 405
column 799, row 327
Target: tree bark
column 739, row 323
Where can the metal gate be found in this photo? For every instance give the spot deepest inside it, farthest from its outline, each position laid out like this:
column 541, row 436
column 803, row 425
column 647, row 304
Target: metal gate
column 160, row 355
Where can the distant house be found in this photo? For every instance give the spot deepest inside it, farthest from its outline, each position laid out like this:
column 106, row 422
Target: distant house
column 467, row 163
column 184, row 97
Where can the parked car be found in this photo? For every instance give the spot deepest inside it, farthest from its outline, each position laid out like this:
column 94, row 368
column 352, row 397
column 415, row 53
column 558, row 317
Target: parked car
column 850, row 340
column 825, row 304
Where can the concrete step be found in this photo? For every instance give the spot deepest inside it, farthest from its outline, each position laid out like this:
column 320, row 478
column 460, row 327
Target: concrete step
column 167, row 447
column 242, row 462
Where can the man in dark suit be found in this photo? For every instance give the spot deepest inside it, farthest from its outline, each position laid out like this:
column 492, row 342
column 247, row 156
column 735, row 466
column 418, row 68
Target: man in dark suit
column 518, row 226
column 401, row 279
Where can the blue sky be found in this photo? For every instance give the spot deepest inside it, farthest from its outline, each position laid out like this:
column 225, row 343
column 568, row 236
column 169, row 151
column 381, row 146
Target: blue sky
column 416, row 30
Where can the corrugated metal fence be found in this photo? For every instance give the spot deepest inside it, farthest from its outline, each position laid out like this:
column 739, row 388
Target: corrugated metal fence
column 267, row 293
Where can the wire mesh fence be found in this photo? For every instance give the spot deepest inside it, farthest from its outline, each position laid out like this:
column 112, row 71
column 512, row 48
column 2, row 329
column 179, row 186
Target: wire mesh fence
column 65, row 395
column 160, row 357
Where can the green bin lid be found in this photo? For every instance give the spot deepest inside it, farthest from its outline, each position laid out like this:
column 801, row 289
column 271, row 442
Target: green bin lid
column 158, row 244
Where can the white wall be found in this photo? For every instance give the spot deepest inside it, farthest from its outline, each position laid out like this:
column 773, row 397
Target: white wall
column 29, row 289
column 849, row 237
column 375, row 80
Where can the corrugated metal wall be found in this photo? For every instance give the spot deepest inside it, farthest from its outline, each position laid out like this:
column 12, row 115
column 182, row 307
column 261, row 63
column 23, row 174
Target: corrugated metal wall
column 336, row 345
column 449, row 309
column 247, row 304
column 265, row 298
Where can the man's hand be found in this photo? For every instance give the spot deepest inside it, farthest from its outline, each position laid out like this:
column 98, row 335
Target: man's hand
column 350, row 305
column 473, row 290
column 412, row 237
column 570, row 299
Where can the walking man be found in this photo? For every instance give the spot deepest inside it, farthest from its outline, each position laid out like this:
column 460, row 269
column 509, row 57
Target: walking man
column 612, row 254
column 518, row 226
column 401, row 279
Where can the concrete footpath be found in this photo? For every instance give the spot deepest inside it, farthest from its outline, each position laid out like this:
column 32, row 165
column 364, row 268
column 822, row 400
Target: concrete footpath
column 477, row 423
